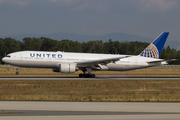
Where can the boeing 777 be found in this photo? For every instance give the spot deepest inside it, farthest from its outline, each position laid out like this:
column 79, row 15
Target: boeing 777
column 68, row 62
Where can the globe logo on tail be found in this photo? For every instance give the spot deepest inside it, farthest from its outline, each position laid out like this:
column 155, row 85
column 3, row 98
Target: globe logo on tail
column 151, row 51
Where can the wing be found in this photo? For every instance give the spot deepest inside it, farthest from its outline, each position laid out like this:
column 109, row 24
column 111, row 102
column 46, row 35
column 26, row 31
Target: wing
column 161, row 60
column 105, row 61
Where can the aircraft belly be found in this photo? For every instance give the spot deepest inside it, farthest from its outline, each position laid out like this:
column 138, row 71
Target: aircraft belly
column 122, row 67
column 38, row 64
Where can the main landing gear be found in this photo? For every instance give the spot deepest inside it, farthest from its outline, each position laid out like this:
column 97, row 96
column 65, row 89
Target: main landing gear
column 89, row 75
column 86, row 75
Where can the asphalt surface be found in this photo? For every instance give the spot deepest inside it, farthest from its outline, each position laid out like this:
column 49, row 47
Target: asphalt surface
column 79, row 113
column 37, row 110
column 97, row 78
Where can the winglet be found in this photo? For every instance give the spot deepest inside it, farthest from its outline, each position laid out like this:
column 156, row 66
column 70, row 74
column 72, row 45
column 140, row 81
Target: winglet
column 155, row 48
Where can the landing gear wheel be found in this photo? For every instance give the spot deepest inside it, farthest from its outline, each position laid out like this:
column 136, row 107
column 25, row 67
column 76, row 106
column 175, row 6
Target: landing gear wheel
column 17, row 73
column 87, row 75
column 80, row 75
column 93, row 76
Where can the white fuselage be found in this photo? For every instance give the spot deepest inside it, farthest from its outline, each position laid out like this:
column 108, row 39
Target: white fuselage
column 41, row 59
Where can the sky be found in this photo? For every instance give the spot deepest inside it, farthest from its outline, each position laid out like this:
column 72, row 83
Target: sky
column 147, row 18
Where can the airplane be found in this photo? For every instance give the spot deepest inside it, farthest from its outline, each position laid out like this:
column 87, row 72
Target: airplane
column 69, row 62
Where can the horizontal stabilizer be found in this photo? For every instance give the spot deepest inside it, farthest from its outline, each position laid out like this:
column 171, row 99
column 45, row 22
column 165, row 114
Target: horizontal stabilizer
column 161, row 60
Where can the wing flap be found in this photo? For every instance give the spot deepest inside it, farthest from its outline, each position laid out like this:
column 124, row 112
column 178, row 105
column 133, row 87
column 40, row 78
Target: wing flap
column 100, row 61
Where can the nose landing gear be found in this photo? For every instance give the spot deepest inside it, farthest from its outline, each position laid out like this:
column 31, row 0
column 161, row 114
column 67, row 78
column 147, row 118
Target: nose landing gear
column 17, row 73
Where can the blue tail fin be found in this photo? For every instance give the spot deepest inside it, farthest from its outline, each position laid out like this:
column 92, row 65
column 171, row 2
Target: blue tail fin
column 155, row 48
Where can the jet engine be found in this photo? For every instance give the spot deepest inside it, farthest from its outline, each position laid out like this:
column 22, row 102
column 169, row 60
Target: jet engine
column 66, row 68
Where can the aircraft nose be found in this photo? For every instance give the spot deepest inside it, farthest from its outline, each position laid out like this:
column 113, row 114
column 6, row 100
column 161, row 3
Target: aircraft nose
column 4, row 59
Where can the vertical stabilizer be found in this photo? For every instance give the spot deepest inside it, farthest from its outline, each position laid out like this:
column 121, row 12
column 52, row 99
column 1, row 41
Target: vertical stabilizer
column 155, row 48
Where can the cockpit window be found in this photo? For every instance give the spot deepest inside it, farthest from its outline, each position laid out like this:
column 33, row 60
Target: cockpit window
column 8, row 56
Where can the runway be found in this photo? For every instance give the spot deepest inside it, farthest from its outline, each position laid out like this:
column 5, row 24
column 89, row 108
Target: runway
column 80, row 113
column 37, row 110
column 20, row 110
column 97, row 78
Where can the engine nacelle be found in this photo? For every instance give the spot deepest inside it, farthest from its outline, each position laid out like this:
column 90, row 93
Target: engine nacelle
column 66, row 68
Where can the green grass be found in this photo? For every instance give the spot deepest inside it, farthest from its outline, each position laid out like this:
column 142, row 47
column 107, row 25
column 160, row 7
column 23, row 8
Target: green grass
column 99, row 90
column 39, row 72
column 91, row 90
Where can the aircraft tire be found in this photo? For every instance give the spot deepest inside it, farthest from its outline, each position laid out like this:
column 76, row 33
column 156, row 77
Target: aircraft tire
column 87, row 75
column 80, row 75
column 93, row 75
column 17, row 73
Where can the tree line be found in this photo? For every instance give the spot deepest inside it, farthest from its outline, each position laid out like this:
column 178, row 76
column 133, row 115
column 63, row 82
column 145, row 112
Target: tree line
column 9, row 45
